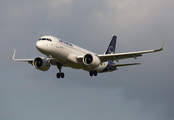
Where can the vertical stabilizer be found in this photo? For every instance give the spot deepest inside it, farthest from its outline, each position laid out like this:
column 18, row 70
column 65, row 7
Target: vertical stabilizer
column 111, row 47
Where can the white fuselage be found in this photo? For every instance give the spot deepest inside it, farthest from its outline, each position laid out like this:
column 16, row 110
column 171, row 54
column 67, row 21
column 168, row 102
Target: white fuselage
column 66, row 53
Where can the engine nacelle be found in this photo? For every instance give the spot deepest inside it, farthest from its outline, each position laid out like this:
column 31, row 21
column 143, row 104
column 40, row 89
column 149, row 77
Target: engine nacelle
column 41, row 64
column 91, row 60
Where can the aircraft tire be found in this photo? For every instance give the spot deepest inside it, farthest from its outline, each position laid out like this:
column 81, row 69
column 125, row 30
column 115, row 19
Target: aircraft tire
column 58, row 75
column 95, row 73
column 62, row 75
column 91, row 73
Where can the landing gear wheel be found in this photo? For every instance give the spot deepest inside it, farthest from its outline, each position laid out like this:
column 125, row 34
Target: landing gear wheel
column 91, row 73
column 62, row 75
column 95, row 73
column 58, row 75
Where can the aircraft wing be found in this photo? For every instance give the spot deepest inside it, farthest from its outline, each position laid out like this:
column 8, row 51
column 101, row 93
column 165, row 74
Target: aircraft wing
column 118, row 56
column 21, row 60
column 30, row 61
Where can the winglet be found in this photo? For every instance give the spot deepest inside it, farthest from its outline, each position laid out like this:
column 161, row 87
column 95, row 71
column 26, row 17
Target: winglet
column 21, row 60
column 13, row 55
column 161, row 47
column 164, row 44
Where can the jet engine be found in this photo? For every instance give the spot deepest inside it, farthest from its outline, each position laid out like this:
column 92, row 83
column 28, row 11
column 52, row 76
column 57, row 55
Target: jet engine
column 41, row 64
column 91, row 60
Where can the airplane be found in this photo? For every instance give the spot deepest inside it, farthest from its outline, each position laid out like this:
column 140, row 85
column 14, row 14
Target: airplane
column 65, row 54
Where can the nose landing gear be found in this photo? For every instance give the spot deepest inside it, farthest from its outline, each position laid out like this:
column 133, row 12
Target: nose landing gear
column 60, row 74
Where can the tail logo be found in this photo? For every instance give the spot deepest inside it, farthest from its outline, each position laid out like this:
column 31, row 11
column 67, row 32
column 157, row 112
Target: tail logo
column 111, row 47
column 111, row 50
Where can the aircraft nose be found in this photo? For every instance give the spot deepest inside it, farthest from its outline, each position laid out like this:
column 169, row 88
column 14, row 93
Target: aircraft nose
column 38, row 45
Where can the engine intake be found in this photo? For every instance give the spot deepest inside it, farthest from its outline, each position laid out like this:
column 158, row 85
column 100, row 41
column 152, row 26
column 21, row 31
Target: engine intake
column 41, row 64
column 91, row 60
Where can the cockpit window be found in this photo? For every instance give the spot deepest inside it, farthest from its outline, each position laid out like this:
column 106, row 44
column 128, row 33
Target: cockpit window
column 46, row 39
column 49, row 40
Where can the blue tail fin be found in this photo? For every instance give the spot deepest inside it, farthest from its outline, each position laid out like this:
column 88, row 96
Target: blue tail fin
column 111, row 47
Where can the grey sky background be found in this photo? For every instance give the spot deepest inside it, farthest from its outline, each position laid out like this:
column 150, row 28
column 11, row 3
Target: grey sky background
column 143, row 92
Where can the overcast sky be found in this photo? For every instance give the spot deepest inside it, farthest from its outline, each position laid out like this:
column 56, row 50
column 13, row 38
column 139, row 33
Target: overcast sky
column 143, row 92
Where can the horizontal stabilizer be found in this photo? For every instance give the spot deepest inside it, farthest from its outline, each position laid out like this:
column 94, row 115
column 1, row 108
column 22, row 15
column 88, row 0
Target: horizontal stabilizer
column 120, row 65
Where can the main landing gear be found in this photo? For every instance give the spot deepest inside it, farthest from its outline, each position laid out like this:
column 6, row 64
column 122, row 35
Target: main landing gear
column 60, row 74
column 91, row 73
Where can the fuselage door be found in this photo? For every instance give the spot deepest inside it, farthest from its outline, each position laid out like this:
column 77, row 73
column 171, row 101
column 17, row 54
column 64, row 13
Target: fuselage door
column 58, row 50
